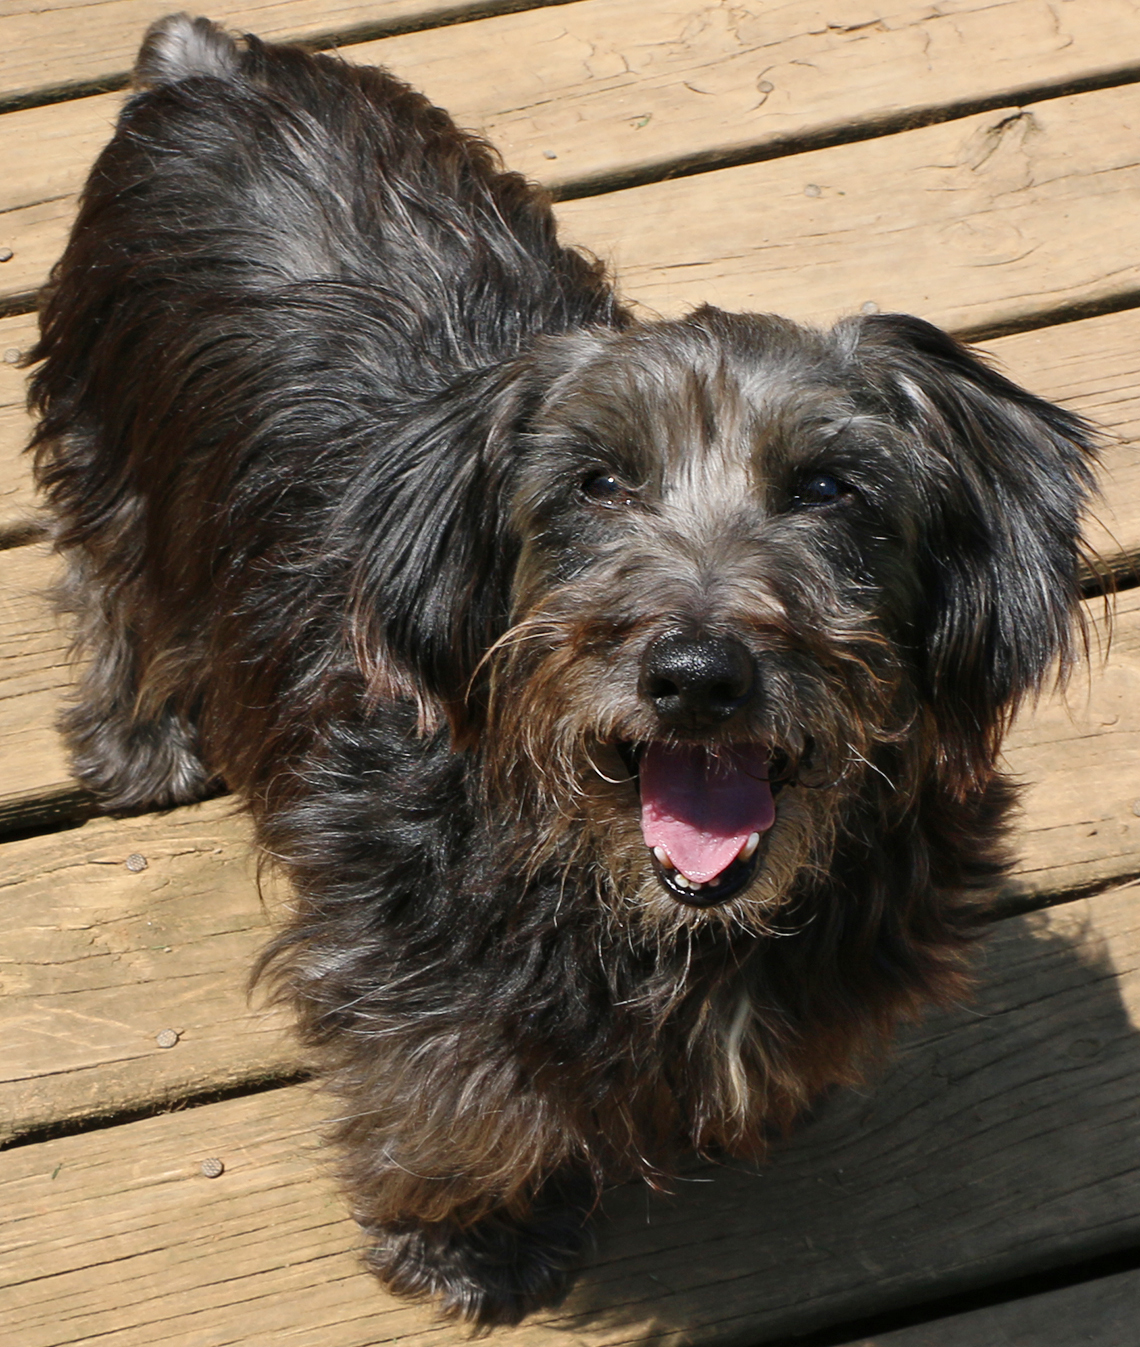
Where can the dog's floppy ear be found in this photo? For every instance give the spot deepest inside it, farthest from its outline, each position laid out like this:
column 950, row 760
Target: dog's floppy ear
column 431, row 586
column 1007, row 477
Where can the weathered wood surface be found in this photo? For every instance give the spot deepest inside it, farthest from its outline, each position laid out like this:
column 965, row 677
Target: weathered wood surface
column 17, row 499
column 617, row 88
column 1038, row 197
column 51, row 46
column 34, row 674
column 98, row 957
column 1101, row 1313
column 979, row 224
column 1093, row 367
column 1079, row 750
column 621, row 88
column 962, row 1166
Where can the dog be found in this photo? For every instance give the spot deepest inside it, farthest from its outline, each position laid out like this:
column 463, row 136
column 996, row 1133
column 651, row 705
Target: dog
column 621, row 699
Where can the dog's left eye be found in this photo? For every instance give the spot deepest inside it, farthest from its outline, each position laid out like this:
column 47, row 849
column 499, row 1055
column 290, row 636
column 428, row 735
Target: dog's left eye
column 606, row 489
column 820, row 488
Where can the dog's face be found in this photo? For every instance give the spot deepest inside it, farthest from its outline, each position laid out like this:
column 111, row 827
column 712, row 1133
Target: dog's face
column 763, row 583
column 706, row 606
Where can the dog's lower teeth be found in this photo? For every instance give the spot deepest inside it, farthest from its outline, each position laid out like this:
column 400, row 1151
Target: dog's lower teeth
column 663, row 857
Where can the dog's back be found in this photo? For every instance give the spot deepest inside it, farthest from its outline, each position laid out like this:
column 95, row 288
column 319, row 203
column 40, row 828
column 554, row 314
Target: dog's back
column 282, row 264
column 250, row 167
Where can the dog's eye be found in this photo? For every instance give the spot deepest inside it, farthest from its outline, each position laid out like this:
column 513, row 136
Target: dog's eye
column 821, row 488
column 605, row 489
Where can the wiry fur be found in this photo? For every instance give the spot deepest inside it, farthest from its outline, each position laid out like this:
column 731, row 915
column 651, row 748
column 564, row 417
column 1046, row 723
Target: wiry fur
column 321, row 397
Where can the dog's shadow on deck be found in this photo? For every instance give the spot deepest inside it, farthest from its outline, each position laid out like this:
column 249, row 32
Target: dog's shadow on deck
column 999, row 1141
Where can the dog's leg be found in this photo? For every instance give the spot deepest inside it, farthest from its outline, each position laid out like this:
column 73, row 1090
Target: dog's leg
column 131, row 759
column 497, row 1269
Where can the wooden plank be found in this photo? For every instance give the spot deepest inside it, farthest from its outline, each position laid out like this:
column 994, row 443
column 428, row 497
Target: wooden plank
column 1079, row 752
column 985, row 222
column 34, row 674
column 1100, row 1313
column 1092, row 366
column 616, row 89
column 1001, row 1141
column 98, row 958
column 975, row 224
column 18, row 522
column 53, row 45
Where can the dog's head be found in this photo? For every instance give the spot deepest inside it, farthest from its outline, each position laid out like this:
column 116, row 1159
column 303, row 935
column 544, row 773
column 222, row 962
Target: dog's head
column 702, row 584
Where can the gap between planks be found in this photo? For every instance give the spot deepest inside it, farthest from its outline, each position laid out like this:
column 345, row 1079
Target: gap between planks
column 1000, row 1142
column 1098, row 1313
column 1060, row 173
column 60, row 48
column 616, row 88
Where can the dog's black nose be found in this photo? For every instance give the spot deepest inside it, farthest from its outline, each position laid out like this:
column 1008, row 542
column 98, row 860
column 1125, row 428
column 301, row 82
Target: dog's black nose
column 696, row 682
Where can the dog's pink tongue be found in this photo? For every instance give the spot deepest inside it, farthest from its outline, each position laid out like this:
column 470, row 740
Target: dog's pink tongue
column 701, row 808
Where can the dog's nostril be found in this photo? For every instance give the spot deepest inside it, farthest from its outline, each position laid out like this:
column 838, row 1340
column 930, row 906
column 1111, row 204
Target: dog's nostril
column 696, row 682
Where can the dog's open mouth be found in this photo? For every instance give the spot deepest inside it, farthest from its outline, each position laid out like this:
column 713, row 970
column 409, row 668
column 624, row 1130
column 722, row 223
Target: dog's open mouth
column 705, row 812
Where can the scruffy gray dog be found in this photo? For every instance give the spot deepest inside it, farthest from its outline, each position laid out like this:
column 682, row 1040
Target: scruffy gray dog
column 621, row 699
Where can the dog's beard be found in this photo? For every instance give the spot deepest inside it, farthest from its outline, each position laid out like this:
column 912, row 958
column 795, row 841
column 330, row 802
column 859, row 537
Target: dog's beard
column 676, row 831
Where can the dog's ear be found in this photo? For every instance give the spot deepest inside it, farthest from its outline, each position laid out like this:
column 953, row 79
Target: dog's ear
column 431, row 588
column 435, row 551
column 434, row 542
column 1007, row 476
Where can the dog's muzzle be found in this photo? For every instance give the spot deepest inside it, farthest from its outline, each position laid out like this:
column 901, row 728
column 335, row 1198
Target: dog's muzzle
column 706, row 808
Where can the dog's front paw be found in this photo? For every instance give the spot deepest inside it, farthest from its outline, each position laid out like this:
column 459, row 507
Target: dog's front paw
column 495, row 1271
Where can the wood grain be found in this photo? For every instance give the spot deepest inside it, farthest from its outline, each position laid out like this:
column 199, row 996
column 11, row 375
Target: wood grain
column 963, row 1165
column 1079, row 753
column 18, row 519
column 34, row 674
column 1093, row 367
column 97, row 958
column 52, row 45
column 988, row 221
column 1099, row 1313
column 609, row 89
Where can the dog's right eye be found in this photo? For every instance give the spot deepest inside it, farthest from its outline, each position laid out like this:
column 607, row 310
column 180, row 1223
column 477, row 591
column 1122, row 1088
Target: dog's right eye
column 821, row 488
column 604, row 489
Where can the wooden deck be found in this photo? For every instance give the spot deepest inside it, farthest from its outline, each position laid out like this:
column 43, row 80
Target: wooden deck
column 973, row 161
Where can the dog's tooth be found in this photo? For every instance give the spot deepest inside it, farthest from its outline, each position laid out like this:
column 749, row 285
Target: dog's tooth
column 748, row 850
column 663, row 856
